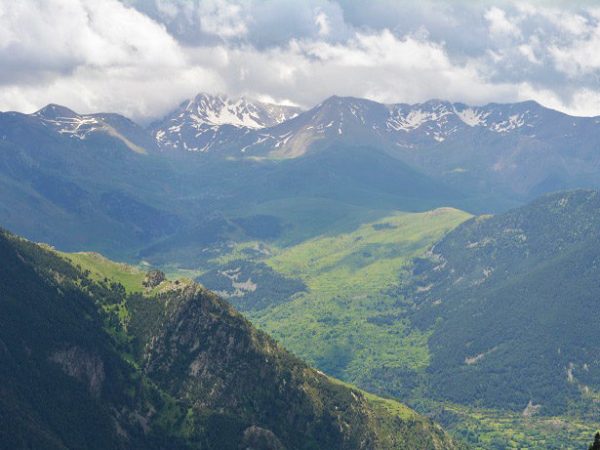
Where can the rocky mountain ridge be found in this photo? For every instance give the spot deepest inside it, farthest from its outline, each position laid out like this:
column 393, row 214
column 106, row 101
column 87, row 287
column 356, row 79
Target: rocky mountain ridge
column 87, row 362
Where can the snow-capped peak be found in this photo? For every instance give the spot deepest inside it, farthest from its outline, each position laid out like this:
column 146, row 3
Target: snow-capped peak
column 81, row 126
column 196, row 124
column 68, row 122
column 207, row 109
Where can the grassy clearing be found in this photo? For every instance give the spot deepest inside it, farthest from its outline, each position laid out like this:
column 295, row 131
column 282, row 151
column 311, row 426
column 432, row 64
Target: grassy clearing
column 367, row 259
column 100, row 267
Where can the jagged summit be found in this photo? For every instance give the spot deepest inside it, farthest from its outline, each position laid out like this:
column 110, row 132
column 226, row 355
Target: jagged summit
column 240, row 112
column 197, row 124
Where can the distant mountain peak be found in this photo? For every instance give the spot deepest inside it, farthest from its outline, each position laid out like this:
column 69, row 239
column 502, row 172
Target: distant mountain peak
column 68, row 122
column 240, row 112
column 53, row 111
column 80, row 126
column 199, row 123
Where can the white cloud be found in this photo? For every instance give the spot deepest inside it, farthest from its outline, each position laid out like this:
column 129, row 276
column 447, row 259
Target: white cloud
column 376, row 65
column 322, row 23
column 579, row 56
column 500, row 24
column 581, row 102
column 168, row 8
column 92, row 56
column 105, row 55
column 222, row 18
column 529, row 51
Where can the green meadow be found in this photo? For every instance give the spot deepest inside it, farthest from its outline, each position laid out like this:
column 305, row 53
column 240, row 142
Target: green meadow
column 346, row 322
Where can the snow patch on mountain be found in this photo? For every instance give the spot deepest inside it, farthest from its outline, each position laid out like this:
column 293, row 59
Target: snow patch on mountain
column 81, row 126
column 408, row 122
column 68, row 122
column 411, row 117
column 472, row 117
column 513, row 122
column 77, row 127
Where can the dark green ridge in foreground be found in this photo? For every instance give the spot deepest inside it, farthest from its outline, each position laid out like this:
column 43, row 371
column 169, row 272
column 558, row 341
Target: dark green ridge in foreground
column 86, row 363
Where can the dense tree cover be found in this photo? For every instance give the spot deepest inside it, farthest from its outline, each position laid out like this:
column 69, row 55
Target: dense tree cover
column 507, row 299
column 251, row 285
column 57, row 357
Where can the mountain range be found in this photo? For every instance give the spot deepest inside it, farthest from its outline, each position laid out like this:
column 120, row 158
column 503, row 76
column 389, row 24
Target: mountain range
column 520, row 150
column 102, row 182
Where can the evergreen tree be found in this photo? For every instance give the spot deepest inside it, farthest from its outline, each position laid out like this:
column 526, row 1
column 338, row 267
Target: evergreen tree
column 596, row 444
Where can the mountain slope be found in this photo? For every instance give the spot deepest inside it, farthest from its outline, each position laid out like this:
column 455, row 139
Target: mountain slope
column 512, row 302
column 286, row 202
column 87, row 126
column 64, row 384
column 492, row 331
column 168, row 365
column 82, row 186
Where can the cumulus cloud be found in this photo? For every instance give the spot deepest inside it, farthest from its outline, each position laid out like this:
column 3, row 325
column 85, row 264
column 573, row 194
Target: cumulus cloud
column 141, row 58
column 500, row 24
column 222, row 18
column 579, row 56
column 322, row 22
column 92, row 56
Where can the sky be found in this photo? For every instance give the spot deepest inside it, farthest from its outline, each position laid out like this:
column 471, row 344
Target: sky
column 142, row 58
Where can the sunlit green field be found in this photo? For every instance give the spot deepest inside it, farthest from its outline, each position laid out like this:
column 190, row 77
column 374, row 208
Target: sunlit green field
column 347, row 322
column 100, row 267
